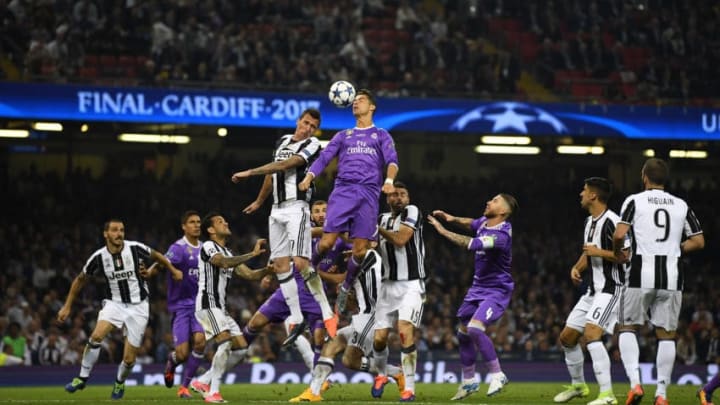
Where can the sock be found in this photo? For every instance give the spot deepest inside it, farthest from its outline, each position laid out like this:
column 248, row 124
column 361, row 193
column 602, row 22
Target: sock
column 601, row 364
column 191, row 366
column 323, row 369
column 316, row 255
column 630, row 355
column 303, row 346
column 206, row 376
column 351, row 273
column 249, row 334
column 664, row 363
column 315, row 286
column 219, row 362
column 381, row 357
column 124, row 370
column 712, row 385
column 173, row 358
column 485, row 348
column 235, row 356
column 89, row 358
column 393, row 370
column 408, row 361
column 468, row 356
column 574, row 360
column 316, row 354
column 289, row 288
column 366, row 364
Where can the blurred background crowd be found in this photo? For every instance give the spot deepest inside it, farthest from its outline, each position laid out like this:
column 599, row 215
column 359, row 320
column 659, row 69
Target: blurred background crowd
column 600, row 50
column 52, row 225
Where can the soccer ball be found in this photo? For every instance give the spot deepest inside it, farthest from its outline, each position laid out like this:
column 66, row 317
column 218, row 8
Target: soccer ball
column 341, row 93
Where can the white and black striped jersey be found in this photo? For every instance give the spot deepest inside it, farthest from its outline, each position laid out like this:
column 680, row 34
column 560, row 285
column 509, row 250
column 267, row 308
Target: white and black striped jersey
column 605, row 276
column 406, row 262
column 367, row 284
column 658, row 220
column 213, row 280
column 121, row 271
column 285, row 182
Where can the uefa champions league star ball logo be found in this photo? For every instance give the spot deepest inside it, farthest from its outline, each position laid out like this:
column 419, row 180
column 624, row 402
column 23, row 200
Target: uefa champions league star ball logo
column 510, row 117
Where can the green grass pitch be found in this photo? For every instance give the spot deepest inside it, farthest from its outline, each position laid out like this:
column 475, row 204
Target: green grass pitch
column 346, row 394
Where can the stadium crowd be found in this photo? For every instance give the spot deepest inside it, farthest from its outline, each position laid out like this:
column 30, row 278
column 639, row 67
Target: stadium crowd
column 52, row 224
column 610, row 50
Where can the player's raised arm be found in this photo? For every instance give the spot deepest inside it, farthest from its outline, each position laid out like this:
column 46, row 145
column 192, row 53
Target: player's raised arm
column 460, row 240
column 177, row 275
column 461, row 222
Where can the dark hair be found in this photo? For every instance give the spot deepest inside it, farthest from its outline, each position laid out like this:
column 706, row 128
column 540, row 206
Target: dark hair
column 400, row 184
column 511, row 202
column 367, row 93
column 186, row 215
column 106, row 227
column 656, row 170
column 318, row 202
column 207, row 222
column 600, row 186
column 313, row 112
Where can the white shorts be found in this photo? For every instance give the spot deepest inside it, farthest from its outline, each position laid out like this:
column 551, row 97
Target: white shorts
column 215, row 320
column 360, row 332
column 664, row 306
column 600, row 309
column 133, row 318
column 401, row 300
column 289, row 230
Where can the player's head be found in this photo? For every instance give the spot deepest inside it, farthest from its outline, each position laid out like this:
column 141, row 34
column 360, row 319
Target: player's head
column 307, row 123
column 364, row 103
column 655, row 172
column 114, row 232
column 399, row 198
column 318, row 212
column 502, row 205
column 190, row 222
column 596, row 189
column 214, row 226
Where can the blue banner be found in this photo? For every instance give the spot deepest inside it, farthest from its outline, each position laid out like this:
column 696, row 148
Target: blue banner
column 280, row 110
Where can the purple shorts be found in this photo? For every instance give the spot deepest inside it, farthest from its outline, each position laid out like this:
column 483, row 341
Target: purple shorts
column 486, row 310
column 276, row 310
column 353, row 209
column 184, row 325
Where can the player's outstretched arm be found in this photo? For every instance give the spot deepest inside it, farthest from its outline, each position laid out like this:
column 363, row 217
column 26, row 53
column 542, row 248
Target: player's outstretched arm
column 269, row 168
column 176, row 274
column 460, row 240
column 77, row 285
column 461, row 222
column 242, row 270
column 233, row 261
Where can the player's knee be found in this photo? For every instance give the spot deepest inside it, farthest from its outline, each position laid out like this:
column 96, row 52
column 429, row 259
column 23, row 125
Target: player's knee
column 568, row 338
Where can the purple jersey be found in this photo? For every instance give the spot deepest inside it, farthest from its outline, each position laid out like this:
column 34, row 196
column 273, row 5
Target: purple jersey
column 184, row 256
column 362, row 156
column 493, row 260
column 334, row 256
